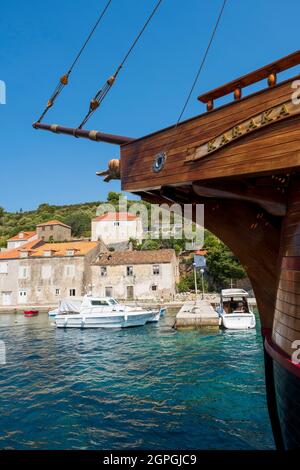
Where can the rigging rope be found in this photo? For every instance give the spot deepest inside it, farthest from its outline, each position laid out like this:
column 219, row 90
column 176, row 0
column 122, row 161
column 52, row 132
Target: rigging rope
column 101, row 94
column 63, row 81
column 202, row 62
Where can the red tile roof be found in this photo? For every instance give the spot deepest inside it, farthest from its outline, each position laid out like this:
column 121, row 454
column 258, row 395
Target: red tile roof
column 25, row 236
column 201, row 252
column 117, row 258
column 53, row 222
column 37, row 248
column 14, row 253
column 80, row 248
column 114, row 216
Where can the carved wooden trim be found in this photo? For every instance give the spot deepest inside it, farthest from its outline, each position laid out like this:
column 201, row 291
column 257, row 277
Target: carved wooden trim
column 252, row 124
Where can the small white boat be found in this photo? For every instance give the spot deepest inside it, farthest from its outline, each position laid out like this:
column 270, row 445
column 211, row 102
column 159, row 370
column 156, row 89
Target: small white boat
column 53, row 313
column 234, row 311
column 102, row 312
column 162, row 311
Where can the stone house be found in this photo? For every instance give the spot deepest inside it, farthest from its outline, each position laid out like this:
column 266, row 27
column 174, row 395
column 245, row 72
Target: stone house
column 53, row 230
column 42, row 273
column 39, row 272
column 136, row 274
column 20, row 239
column 117, row 227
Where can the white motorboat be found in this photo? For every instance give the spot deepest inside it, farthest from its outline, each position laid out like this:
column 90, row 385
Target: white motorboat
column 234, row 311
column 71, row 304
column 102, row 312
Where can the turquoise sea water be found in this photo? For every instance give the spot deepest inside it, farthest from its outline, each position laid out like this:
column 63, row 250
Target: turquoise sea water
column 149, row 387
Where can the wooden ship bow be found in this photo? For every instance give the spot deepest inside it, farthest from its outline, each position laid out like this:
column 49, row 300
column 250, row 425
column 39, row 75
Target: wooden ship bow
column 242, row 161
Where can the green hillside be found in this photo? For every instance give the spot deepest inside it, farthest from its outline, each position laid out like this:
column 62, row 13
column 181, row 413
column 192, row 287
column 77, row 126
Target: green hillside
column 78, row 216
column 222, row 265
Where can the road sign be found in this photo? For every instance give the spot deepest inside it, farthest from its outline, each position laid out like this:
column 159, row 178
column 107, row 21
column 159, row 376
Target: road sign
column 199, row 261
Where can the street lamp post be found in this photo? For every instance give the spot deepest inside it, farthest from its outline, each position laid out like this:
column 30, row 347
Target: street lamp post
column 195, row 279
column 202, row 279
column 199, row 262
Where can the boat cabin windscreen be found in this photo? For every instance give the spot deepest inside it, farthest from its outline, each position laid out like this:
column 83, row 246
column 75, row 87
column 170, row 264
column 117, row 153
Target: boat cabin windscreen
column 235, row 305
column 100, row 302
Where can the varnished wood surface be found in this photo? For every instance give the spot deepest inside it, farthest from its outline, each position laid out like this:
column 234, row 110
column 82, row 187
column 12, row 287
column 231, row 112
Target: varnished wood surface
column 254, row 237
column 267, row 246
column 270, row 197
column 287, row 395
column 250, row 189
column 261, row 242
column 273, row 148
column 286, row 327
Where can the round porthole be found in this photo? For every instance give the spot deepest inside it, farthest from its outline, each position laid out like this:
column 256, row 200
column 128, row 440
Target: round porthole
column 159, row 162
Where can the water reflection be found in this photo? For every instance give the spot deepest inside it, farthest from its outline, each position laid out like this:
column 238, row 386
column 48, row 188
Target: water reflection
column 150, row 387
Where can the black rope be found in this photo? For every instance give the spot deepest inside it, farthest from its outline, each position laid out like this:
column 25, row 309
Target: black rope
column 140, row 33
column 101, row 94
column 63, row 81
column 202, row 62
column 90, row 35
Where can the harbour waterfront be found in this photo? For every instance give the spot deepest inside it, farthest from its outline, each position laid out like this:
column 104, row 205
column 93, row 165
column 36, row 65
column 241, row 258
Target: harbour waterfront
column 151, row 387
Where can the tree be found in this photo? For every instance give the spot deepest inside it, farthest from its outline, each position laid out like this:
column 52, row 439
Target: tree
column 221, row 267
column 79, row 222
column 13, row 222
column 135, row 243
column 150, row 245
column 113, row 197
column 222, row 264
column 187, row 283
column 45, row 212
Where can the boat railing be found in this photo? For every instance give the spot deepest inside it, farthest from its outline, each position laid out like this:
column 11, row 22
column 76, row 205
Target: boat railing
column 236, row 86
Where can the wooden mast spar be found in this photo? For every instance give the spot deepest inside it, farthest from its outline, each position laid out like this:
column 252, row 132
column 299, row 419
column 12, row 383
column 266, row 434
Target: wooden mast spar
column 83, row 133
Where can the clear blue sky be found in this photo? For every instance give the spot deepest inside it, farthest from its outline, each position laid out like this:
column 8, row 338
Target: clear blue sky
column 40, row 38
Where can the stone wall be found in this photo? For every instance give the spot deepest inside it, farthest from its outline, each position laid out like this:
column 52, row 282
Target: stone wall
column 8, row 282
column 57, row 233
column 46, row 275
column 46, row 280
column 142, row 281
